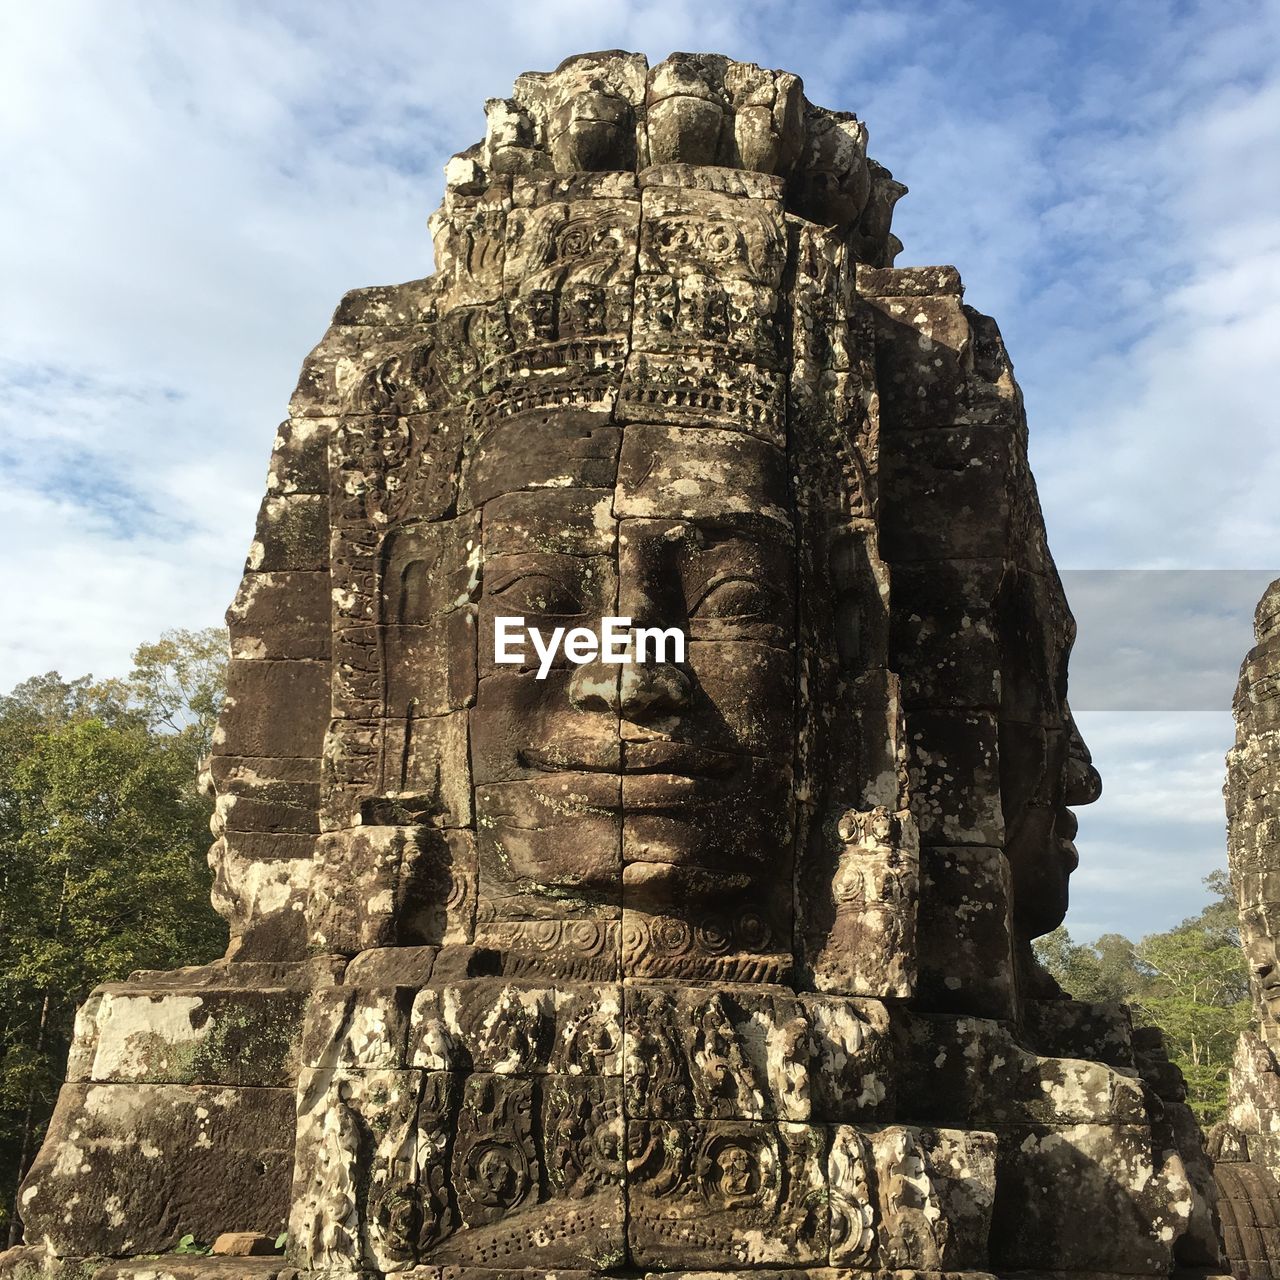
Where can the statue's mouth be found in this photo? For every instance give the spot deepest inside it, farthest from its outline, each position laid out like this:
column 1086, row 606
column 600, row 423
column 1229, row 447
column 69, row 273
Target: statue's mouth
column 662, row 756
column 658, row 757
column 1066, row 829
column 1070, row 856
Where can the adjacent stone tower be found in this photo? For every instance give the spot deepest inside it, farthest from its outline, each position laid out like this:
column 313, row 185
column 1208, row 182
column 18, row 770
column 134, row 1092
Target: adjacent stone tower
column 1247, row 1146
column 707, row 966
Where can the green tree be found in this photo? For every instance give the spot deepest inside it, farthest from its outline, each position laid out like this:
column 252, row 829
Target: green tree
column 1197, row 993
column 103, row 836
column 1103, row 971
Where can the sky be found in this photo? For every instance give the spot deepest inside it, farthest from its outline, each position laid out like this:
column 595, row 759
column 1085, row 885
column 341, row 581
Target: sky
column 189, row 189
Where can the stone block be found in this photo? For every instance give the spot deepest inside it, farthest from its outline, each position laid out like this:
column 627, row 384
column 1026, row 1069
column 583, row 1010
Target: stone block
column 953, row 762
column 131, row 1168
column 586, row 949
column 945, row 640
column 281, row 615
column 196, row 1267
column 573, row 522
column 560, row 830
column 518, row 1028
column 965, row 932
column 354, row 1187
column 908, row 282
column 972, row 1073
column 859, row 930
column 333, row 365
column 242, row 1244
column 357, row 1027
column 261, row 797
column 559, row 450
column 488, row 1171
column 242, row 1037
column 903, row 1197
column 545, row 590
column 668, row 381
column 292, row 534
column 951, row 493
column 300, row 457
column 716, row 927
column 392, row 967
column 414, row 671
column 1100, row 1175
column 699, row 473
column 993, row 394
column 382, row 886
column 537, row 1170
column 853, row 1072
column 923, row 359
column 274, row 709
column 1079, row 1029
column 712, row 233
column 260, row 888
column 754, row 1053
column 730, row 1054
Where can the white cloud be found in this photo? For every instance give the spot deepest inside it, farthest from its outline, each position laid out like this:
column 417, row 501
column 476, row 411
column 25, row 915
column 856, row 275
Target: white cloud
column 1160, row 639
column 1160, row 826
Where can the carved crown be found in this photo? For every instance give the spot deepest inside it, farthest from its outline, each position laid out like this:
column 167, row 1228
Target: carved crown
column 611, row 111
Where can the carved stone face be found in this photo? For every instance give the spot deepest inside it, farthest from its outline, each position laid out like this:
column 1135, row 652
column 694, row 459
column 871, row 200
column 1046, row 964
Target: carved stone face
column 1045, row 766
column 672, row 779
column 1041, row 834
column 1257, row 933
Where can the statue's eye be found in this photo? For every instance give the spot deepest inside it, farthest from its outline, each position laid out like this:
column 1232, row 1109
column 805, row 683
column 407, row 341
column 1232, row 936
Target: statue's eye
column 574, row 241
column 720, row 239
column 736, row 598
column 674, row 235
column 539, row 593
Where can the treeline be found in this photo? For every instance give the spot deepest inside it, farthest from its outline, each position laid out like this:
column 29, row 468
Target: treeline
column 103, row 842
column 1190, row 981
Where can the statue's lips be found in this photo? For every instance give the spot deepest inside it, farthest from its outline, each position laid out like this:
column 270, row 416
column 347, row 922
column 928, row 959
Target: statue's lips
column 1066, row 829
column 655, row 757
column 1069, row 854
column 662, row 756
column 656, row 776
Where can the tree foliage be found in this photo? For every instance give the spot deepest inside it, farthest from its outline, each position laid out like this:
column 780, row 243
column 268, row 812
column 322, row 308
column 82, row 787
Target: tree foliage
column 1190, row 981
column 103, row 837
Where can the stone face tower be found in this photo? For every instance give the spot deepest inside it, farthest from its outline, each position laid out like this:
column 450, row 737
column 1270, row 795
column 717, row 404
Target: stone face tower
column 708, row 965
column 1247, row 1145
column 1253, row 847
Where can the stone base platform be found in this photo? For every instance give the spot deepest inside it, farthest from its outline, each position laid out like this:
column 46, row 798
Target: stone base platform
column 419, row 1120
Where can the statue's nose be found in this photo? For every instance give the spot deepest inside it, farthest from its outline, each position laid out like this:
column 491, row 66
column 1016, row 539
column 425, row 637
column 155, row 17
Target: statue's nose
column 649, row 594
column 646, row 692
column 1083, row 781
column 594, row 687
column 635, row 691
